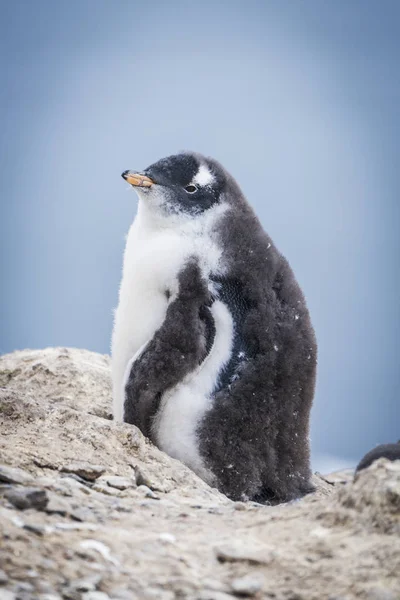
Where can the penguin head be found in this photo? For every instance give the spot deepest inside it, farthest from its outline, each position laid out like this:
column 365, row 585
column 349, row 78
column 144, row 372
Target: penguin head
column 183, row 186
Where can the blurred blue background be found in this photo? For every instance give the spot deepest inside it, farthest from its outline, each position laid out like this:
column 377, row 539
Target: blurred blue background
column 299, row 100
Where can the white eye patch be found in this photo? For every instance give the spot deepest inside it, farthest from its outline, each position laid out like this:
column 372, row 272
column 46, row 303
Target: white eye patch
column 203, row 176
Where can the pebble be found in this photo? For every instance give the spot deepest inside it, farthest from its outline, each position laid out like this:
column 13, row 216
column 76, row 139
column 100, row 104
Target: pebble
column 29, row 497
column 76, row 526
column 37, row 529
column 58, row 506
column 167, row 538
column 248, row 585
column 240, row 506
column 84, row 470
column 82, row 514
column 244, row 552
column 120, row 483
column 95, row 596
column 101, row 548
column 69, row 486
column 79, row 586
column 14, row 475
column 143, row 479
column 74, row 478
column 103, row 488
column 3, row 577
column 214, row 585
column 148, row 492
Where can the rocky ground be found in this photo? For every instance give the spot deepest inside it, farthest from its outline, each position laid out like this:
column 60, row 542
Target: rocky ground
column 90, row 510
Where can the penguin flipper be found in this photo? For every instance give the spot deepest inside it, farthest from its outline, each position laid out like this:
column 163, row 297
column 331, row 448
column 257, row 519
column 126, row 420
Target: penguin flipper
column 176, row 349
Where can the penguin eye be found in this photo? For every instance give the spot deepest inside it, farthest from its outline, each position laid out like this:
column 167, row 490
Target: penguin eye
column 191, row 189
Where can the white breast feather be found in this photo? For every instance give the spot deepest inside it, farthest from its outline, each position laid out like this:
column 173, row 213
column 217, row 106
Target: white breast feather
column 154, row 256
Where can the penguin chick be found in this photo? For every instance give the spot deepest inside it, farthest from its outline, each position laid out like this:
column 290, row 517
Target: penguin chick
column 213, row 351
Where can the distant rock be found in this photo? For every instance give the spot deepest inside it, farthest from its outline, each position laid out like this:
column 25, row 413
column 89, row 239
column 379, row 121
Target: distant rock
column 112, row 517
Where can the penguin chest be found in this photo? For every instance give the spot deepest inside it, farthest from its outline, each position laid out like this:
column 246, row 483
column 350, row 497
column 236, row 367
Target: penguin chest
column 150, row 279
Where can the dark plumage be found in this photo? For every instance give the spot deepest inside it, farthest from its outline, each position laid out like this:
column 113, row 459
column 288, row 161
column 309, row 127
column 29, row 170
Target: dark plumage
column 389, row 451
column 255, row 437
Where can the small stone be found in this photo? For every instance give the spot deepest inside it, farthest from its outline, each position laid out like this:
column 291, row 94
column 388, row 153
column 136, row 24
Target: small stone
column 214, row 585
column 167, row 538
column 240, row 506
column 84, row 470
column 76, row 526
column 245, row 552
column 120, row 483
column 95, row 596
column 3, row 577
column 58, row 506
column 82, row 514
column 143, row 479
column 103, row 488
column 101, row 548
column 37, row 529
column 148, row 492
column 70, row 484
column 14, row 475
column 248, row 585
column 80, row 586
column 338, row 477
column 24, row 498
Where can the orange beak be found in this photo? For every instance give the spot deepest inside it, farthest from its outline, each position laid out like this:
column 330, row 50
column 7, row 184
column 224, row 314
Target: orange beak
column 137, row 179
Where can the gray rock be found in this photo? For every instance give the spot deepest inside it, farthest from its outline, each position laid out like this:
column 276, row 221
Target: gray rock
column 103, row 488
column 120, row 483
column 29, row 497
column 248, row 585
column 148, row 492
column 3, row 577
column 37, row 529
column 84, row 470
column 143, row 479
column 239, row 551
column 14, row 475
column 58, row 506
column 76, row 589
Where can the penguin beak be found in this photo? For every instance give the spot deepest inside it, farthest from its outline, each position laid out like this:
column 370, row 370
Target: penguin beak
column 137, row 179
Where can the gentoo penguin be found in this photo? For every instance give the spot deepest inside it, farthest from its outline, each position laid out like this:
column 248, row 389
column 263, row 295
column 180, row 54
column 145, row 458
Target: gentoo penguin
column 213, row 351
column 389, row 451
